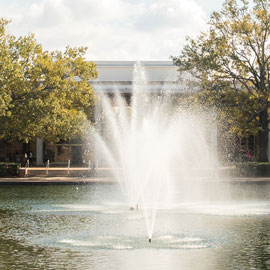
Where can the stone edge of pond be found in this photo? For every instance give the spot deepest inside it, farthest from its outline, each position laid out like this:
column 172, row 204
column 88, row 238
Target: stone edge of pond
column 53, row 180
column 43, row 180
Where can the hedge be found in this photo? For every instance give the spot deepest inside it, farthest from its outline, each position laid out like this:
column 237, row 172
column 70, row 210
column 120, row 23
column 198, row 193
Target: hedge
column 250, row 169
column 9, row 169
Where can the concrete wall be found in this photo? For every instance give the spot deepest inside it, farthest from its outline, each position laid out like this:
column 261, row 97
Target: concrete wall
column 123, row 70
column 119, row 75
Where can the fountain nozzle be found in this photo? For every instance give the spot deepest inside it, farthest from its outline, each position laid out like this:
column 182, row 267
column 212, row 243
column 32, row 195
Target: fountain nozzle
column 132, row 208
column 150, row 240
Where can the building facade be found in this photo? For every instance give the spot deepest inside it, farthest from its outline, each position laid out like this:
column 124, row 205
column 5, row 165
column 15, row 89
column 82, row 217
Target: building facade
column 119, row 75
column 112, row 76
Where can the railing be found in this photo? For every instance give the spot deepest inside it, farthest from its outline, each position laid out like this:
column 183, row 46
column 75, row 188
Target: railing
column 47, row 166
column 68, row 166
column 26, row 166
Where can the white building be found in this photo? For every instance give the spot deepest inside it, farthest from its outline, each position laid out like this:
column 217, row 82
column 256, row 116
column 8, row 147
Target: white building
column 118, row 75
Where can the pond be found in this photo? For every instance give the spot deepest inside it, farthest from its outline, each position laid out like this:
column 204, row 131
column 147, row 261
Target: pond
column 91, row 227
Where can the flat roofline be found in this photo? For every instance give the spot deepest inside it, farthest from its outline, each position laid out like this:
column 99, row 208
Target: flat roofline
column 130, row 82
column 132, row 63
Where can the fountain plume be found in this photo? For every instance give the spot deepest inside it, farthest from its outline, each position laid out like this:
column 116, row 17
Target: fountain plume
column 152, row 144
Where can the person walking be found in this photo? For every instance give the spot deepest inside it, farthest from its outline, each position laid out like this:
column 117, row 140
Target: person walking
column 25, row 159
column 30, row 157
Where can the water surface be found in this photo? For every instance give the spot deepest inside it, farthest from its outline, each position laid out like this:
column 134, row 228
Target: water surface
column 91, row 227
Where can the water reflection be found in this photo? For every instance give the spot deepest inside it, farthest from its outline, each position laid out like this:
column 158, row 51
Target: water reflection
column 62, row 227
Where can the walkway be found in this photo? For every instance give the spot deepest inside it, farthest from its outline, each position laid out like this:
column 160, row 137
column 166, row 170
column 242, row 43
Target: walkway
column 62, row 171
column 106, row 180
column 54, row 180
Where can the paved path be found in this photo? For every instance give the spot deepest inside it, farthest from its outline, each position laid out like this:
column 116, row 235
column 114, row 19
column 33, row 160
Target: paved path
column 54, row 180
column 243, row 179
column 89, row 180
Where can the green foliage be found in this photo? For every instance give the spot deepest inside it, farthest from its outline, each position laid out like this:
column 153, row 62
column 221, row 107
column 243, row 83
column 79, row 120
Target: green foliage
column 232, row 62
column 234, row 109
column 5, row 69
column 43, row 94
column 9, row 169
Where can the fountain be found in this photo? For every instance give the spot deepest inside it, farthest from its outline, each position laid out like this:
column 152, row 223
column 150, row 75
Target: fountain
column 153, row 144
column 164, row 159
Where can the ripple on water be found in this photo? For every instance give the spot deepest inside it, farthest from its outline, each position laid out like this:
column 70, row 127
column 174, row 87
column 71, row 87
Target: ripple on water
column 203, row 208
column 125, row 243
column 236, row 209
column 102, row 209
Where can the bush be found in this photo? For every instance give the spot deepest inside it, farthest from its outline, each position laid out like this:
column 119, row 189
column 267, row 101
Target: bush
column 252, row 169
column 9, row 169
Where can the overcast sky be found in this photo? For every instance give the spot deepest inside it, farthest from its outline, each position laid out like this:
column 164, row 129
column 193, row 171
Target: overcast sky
column 111, row 29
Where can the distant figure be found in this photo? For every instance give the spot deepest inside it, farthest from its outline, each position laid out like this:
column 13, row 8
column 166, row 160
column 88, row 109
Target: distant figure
column 25, row 159
column 30, row 157
column 248, row 156
column 93, row 165
column 86, row 157
column 93, row 172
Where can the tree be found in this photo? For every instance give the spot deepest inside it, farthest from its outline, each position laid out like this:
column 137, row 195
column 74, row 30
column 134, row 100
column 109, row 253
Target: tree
column 5, row 69
column 235, row 51
column 43, row 94
column 233, row 109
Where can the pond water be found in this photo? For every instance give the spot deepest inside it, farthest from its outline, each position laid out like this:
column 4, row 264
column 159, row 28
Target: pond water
column 91, row 227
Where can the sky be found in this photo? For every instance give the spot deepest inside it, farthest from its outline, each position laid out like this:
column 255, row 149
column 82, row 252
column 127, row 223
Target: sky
column 111, row 29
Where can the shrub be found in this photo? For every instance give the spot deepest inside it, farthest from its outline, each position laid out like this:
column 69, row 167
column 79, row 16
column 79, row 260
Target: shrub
column 9, row 169
column 253, row 169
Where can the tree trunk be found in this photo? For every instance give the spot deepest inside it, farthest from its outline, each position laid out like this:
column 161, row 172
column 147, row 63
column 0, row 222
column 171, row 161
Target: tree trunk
column 263, row 137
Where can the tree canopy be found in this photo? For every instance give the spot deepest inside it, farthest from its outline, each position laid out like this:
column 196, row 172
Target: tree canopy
column 232, row 62
column 43, row 94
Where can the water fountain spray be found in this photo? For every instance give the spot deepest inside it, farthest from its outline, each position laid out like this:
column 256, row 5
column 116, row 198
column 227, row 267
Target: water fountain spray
column 153, row 142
